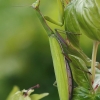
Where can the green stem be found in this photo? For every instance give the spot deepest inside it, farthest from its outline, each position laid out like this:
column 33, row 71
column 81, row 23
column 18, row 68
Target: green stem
column 94, row 53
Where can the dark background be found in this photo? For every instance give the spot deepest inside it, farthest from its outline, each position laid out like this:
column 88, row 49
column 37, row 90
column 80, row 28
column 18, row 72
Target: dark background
column 25, row 58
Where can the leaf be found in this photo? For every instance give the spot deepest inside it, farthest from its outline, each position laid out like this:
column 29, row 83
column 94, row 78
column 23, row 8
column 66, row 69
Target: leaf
column 80, row 72
column 81, row 93
column 38, row 96
column 71, row 25
column 14, row 90
column 97, row 2
column 80, row 54
column 19, row 95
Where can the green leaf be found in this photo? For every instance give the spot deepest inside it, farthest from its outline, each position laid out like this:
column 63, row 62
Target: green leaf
column 71, row 25
column 79, row 53
column 81, row 93
column 97, row 2
column 14, row 90
column 38, row 96
column 80, row 72
column 19, row 95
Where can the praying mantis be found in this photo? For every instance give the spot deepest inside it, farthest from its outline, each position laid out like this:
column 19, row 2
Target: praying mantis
column 59, row 49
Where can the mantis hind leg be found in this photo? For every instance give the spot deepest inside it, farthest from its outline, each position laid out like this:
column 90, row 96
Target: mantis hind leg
column 66, row 32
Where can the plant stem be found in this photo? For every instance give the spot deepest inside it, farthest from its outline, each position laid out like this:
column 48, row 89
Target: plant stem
column 94, row 53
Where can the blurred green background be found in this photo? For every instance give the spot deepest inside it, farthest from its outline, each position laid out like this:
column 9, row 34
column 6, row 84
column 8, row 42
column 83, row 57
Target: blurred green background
column 25, row 58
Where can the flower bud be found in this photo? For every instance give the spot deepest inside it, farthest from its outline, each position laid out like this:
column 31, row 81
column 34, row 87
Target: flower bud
column 83, row 16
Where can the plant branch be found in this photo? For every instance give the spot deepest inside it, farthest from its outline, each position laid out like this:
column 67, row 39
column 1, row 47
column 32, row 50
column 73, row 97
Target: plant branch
column 94, row 53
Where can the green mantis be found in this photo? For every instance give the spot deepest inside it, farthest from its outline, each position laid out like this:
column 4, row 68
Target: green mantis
column 71, row 47
column 59, row 61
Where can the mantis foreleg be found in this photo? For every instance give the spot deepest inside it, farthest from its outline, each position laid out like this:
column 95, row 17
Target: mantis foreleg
column 61, row 14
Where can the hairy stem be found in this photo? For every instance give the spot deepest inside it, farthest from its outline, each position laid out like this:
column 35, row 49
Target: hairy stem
column 94, row 53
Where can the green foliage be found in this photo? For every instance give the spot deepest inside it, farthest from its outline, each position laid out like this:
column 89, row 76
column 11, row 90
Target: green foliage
column 81, row 93
column 80, row 72
column 14, row 90
column 24, row 51
column 72, row 26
